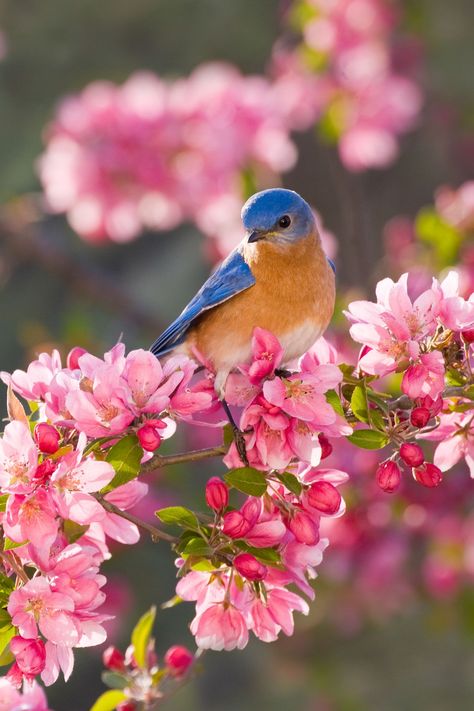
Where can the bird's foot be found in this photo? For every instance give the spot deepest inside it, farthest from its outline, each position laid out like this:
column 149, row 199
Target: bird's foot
column 283, row 372
column 240, row 444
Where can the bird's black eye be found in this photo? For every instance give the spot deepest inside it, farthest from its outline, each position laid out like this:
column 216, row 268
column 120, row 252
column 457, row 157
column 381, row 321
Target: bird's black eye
column 284, row 221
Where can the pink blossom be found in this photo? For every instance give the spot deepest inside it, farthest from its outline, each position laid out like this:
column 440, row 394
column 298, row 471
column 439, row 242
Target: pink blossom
column 219, row 627
column 426, row 377
column 456, row 441
column 266, row 355
column 33, row 384
column 30, row 655
column 32, row 698
column 32, row 518
column 18, row 459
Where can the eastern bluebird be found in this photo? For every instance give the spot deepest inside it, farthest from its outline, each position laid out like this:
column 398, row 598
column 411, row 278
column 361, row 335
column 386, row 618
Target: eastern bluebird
column 277, row 278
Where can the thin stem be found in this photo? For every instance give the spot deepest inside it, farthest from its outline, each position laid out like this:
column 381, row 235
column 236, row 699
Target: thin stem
column 198, row 455
column 11, row 561
column 154, row 532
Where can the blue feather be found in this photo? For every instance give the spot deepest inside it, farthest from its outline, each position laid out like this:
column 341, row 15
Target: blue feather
column 331, row 264
column 233, row 276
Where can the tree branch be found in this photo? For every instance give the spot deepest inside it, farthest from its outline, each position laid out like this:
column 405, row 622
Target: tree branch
column 198, row 455
column 405, row 403
column 155, row 533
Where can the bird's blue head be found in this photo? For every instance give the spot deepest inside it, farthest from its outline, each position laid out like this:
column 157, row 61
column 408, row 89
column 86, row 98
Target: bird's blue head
column 277, row 215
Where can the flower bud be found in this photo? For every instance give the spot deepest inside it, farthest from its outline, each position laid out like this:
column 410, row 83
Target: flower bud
column 468, row 335
column 388, row 476
column 113, row 659
column 47, row 438
column 249, row 567
column 149, row 437
column 30, row 655
column 323, row 496
column 217, row 494
column 73, row 357
column 178, row 660
column 428, row 474
column 419, row 417
column 304, row 528
column 326, row 446
column 235, row 525
column 412, row 454
column 126, row 706
column 44, row 471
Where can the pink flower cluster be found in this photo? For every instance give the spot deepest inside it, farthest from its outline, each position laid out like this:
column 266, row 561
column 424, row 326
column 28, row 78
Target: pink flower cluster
column 401, row 335
column 249, row 591
column 149, row 153
column 32, row 698
column 343, row 76
column 52, row 474
column 285, row 415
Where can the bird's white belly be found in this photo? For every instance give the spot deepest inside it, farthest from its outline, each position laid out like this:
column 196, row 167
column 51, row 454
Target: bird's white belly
column 299, row 340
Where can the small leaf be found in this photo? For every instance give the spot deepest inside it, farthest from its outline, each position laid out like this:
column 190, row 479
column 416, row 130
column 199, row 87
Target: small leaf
column 109, row 700
column 141, row 636
column 73, row 531
column 172, row 602
column 5, row 636
column 114, row 680
column 197, row 546
column 15, row 409
column 125, row 457
column 248, row 480
column 3, row 502
column 9, row 545
column 333, row 399
column 377, row 420
column 368, row 439
column 454, row 377
column 179, row 516
column 228, row 435
column 6, row 586
column 291, row 482
column 359, row 403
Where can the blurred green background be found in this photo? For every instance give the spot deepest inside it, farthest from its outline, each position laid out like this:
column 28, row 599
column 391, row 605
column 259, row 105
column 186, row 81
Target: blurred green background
column 59, row 291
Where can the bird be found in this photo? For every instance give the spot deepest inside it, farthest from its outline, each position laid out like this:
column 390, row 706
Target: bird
column 278, row 278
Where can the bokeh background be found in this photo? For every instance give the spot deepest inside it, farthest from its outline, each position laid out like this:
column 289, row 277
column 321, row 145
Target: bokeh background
column 393, row 622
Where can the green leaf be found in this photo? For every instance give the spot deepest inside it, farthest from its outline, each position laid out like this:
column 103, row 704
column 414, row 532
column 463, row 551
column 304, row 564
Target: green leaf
column 73, row 531
column 9, row 545
column 3, row 502
column 454, row 377
column 5, row 619
column 114, row 680
column 141, row 636
column 368, row 439
column 125, row 457
column 359, row 403
column 291, row 482
column 6, row 586
column 434, row 231
column 5, row 636
column 178, row 516
column 228, row 435
column 333, row 399
column 248, row 480
column 377, row 420
column 197, row 546
column 265, row 555
column 109, row 700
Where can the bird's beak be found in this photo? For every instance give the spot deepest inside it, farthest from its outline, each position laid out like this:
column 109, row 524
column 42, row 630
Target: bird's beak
column 255, row 236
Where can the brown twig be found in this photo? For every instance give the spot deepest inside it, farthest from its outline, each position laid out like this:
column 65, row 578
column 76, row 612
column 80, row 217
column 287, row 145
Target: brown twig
column 11, row 561
column 198, row 455
column 405, row 403
column 155, row 533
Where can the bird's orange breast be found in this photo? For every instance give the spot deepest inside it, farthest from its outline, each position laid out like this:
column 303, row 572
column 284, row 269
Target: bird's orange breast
column 293, row 297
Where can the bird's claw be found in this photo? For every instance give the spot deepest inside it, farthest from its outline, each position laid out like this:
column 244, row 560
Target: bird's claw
column 240, row 444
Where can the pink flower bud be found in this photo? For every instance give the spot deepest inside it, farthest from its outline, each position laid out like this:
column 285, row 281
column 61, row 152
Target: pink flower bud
column 388, row 476
column 419, row 416
column 178, row 660
column 249, row 567
column 412, row 454
column 326, row 446
column 217, row 494
column 30, row 655
column 428, row 474
column 47, row 438
column 44, row 471
column 304, row 528
column 149, row 437
column 323, row 496
column 126, row 706
column 235, row 525
column 113, row 659
column 73, row 357
column 468, row 335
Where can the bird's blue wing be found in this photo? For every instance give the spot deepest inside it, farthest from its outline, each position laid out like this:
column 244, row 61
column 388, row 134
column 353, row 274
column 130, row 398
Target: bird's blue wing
column 331, row 264
column 232, row 277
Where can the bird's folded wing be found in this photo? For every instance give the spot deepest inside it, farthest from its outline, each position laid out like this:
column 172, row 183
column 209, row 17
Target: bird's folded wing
column 230, row 278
